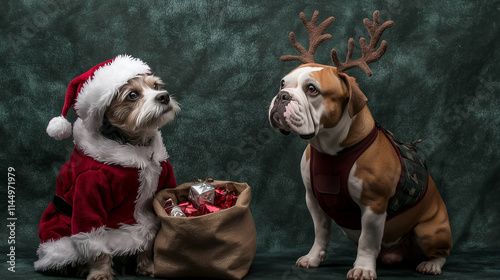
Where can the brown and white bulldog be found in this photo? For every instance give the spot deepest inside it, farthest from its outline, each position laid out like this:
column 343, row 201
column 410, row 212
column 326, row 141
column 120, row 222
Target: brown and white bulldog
column 328, row 110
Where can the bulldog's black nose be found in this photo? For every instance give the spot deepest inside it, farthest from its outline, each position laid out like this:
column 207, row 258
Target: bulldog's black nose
column 283, row 96
column 163, row 97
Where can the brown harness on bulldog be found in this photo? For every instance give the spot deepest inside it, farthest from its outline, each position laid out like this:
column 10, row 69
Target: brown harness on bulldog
column 330, row 174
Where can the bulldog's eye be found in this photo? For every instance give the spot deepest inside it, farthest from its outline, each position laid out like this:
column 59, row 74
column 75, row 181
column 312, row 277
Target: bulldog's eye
column 282, row 84
column 311, row 89
column 132, row 96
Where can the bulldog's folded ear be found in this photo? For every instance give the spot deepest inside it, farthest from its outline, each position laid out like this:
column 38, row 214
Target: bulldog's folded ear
column 357, row 100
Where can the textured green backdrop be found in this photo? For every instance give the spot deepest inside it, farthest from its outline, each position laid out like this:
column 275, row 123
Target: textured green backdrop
column 438, row 81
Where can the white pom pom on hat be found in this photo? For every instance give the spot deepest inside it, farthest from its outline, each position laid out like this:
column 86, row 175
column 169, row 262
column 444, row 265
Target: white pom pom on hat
column 59, row 128
column 91, row 93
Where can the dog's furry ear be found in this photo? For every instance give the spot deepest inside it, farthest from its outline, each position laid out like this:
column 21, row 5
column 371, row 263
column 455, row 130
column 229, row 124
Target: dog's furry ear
column 357, row 100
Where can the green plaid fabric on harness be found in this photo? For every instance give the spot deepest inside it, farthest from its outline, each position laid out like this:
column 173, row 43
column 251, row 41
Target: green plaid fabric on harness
column 414, row 177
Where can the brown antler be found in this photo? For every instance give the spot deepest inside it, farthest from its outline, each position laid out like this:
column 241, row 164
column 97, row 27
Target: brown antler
column 315, row 38
column 369, row 54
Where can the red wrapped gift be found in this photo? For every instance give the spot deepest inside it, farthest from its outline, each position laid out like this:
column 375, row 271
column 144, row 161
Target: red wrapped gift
column 225, row 198
column 206, row 208
column 188, row 208
column 191, row 211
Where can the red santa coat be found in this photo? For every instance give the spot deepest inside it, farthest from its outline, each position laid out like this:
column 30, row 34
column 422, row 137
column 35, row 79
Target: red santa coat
column 103, row 196
column 110, row 187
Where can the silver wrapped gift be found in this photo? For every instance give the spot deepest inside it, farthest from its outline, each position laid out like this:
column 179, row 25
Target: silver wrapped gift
column 172, row 209
column 201, row 192
column 177, row 212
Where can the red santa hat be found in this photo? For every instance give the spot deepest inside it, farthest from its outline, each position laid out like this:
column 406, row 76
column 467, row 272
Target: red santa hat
column 92, row 92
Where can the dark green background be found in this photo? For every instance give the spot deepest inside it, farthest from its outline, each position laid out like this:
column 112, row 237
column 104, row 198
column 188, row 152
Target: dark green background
column 438, row 81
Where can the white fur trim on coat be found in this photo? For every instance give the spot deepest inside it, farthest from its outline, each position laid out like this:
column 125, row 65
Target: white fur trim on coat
column 90, row 245
column 70, row 250
column 54, row 255
column 85, row 246
column 107, row 151
column 98, row 92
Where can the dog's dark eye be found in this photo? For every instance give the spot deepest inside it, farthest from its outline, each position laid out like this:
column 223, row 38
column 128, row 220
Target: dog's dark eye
column 282, row 84
column 156, row 86
column 311, row 89
column 132, row 96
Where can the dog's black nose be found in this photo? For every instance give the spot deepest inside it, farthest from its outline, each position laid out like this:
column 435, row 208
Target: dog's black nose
column 163, row 97
column 283, row 96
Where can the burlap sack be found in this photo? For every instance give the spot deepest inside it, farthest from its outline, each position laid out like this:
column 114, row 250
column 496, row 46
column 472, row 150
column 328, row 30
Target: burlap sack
column 216, row 245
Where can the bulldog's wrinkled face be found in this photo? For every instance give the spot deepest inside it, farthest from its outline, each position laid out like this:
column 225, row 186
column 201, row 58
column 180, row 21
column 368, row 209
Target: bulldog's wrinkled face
column 311, row 97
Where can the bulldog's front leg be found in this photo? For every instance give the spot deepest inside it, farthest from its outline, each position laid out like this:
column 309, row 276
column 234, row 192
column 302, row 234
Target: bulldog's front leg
column 322, row 223
column 372, row 230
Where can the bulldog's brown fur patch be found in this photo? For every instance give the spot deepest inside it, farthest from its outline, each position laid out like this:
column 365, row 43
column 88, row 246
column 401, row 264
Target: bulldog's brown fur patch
column 380, row 169
column 361, row 126
column 334, row 93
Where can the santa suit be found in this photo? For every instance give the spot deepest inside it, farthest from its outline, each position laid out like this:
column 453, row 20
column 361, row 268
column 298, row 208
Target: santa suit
column 110, row 187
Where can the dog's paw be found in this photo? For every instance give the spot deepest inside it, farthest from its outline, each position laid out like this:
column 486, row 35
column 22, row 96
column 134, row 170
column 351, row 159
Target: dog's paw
column 432, row 267
column 361, row 274
column 100, row 276
column 309, row 261
column 145, row 264
column 82, row 270
column 100, row 268
column 146, row 269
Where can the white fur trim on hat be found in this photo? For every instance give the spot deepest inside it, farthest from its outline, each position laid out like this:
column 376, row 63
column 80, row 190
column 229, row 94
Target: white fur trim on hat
column 59, row 128
column 98, row 92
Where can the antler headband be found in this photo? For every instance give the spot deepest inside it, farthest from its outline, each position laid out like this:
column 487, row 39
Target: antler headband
column 369, row 52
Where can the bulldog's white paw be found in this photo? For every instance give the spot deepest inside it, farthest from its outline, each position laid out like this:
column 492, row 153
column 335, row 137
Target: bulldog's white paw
column 432, row 267
column 361, row 274
column 311, row 260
